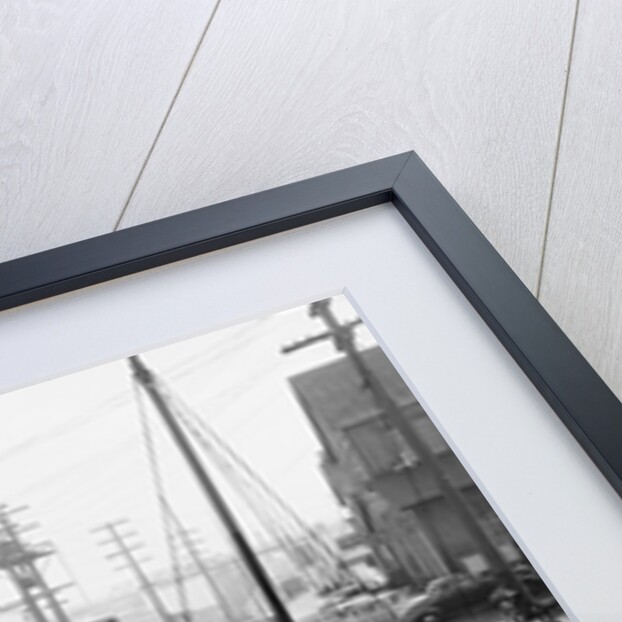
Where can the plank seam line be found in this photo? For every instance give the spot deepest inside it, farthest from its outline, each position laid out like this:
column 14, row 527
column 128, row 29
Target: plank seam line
column 167, row 114
column 562, row 115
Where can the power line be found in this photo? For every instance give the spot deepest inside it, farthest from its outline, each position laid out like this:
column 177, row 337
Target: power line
column 213, row 353
column 67, row 427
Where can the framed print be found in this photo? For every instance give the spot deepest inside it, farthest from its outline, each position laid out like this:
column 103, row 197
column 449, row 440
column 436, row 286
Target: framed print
column 453, row 417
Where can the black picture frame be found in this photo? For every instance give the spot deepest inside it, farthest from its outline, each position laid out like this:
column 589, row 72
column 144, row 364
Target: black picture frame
column 575, row 392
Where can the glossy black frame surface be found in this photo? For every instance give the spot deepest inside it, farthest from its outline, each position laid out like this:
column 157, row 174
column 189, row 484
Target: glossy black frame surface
column 581, row 399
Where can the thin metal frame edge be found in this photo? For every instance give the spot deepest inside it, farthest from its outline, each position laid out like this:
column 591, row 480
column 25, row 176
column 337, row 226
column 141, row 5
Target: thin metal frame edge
column 573, row 389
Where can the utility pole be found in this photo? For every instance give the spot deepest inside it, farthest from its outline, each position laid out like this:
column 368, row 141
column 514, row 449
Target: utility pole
column 19, row 583
column 147, row 380
column 126, row 551
column 19, row 562
column 190, row 547
column 342, row 338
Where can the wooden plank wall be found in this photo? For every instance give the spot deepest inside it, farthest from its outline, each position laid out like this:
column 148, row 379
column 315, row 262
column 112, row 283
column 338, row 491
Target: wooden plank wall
column 84, row 87
column 582, row 264
column 114, row 114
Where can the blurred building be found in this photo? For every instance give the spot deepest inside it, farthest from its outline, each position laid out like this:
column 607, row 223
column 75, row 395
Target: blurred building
column 397, row 507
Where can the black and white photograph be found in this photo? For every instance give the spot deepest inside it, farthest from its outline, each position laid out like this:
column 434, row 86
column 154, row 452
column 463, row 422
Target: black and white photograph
column 279, row 470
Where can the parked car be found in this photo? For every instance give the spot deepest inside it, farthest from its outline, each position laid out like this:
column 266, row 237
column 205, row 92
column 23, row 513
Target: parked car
column 540, row 603
column 536, row 586
column 449, row 596
column 380, row 606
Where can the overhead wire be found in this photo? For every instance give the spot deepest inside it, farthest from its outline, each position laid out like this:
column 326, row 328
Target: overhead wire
column 67, row 427
column 230, row 343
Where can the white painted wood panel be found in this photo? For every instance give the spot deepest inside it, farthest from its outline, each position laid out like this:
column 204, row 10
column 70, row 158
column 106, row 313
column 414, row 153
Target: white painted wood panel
column 84, row 87
column 582, row 275
column 281, row 91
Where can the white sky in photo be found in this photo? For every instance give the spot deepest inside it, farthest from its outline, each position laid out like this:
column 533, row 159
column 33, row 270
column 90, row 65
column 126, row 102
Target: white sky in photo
column 71, row 449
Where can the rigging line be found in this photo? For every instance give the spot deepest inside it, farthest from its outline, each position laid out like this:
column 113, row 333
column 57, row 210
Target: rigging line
column 158, row 482
column 245, row 468
column 248, row 471
column 264, row 513
column 261, row 503
column 268, row 507
column 344, row 569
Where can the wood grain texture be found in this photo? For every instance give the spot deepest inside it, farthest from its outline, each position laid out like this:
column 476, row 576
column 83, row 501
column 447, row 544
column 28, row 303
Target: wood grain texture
column 582, row 270
column 282, row 91
column 84, row 87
